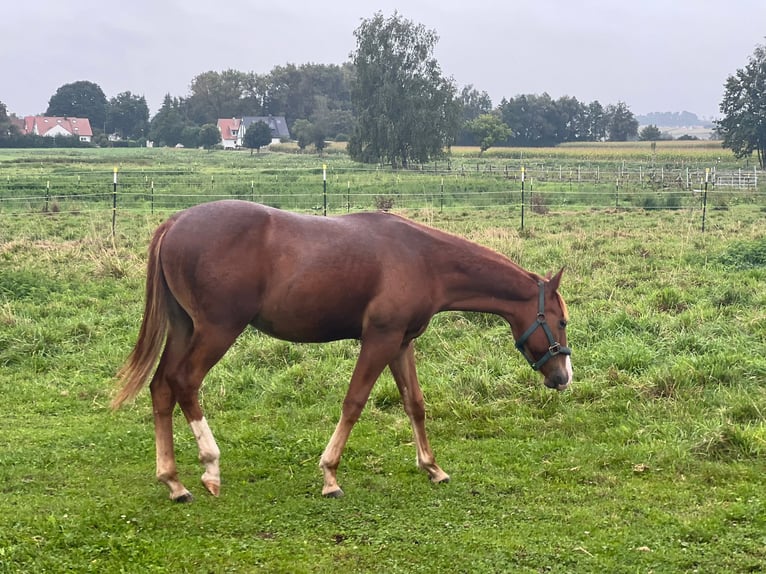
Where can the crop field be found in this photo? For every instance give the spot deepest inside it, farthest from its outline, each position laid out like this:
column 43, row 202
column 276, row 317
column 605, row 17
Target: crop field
column 652, row 461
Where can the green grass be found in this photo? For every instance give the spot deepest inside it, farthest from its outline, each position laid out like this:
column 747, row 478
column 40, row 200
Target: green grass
column 652, row 461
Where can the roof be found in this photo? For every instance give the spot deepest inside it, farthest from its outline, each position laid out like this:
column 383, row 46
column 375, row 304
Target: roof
column 277, row 124
column 41, row 125
column 229, row 128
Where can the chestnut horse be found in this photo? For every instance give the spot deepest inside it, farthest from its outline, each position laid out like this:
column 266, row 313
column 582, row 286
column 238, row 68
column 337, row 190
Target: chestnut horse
column 218, row 267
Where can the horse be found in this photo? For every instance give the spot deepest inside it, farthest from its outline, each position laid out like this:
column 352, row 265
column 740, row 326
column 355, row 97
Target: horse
column 219, row 267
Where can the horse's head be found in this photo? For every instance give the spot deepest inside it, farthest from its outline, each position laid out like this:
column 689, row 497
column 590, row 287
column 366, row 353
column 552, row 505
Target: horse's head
column 543, row 340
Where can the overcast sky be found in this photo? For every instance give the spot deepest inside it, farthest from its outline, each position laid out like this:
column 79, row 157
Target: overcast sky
column 654, row 55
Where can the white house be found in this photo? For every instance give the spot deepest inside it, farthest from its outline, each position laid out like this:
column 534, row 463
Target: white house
column 229, row 128
column 51, row 126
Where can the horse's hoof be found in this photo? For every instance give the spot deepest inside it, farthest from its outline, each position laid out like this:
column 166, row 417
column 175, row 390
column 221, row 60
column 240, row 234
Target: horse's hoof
column 333, row 494
column 213, row 488
column 441, row 480
column 185, row 497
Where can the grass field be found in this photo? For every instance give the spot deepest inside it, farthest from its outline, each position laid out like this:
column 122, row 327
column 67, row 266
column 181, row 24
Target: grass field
column 653, row 461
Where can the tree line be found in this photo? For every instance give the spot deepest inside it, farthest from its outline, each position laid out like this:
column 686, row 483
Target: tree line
column 392, row 104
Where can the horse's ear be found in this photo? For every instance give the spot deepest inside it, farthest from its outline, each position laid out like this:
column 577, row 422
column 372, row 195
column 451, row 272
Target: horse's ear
column 555, row 280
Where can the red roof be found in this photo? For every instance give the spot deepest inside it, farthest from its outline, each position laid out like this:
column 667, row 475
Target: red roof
column 41, row 125
column 229, row 128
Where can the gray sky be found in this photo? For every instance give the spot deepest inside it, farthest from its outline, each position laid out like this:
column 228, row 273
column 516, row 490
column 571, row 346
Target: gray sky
column 654, row 55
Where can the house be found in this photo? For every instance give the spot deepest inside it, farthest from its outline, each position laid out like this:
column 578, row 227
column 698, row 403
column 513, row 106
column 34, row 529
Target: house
column 229, row 129
column 51, row 126
column 233, row 130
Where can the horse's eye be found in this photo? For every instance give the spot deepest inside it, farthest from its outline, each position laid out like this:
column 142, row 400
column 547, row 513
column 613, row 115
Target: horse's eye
column 563, row 324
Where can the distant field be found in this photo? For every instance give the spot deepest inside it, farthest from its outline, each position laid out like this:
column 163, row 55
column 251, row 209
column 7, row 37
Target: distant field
column 653, row 461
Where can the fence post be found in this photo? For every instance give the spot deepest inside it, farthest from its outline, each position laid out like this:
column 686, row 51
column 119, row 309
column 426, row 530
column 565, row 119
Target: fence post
column 441, row 197
column 324, row 188
column 114, row 201
column 522, row 198
column 704, row 198
column 47, row 194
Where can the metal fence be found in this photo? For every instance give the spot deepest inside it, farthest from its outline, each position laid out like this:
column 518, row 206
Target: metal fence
column 441, row 186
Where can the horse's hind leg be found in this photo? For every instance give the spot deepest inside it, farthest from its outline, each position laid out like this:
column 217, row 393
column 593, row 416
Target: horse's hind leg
column 403, row 369
column 185, row 362
column 163, row 405
column 208, row 344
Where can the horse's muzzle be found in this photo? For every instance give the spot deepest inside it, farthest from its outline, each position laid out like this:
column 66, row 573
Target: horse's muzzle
column 560, row 378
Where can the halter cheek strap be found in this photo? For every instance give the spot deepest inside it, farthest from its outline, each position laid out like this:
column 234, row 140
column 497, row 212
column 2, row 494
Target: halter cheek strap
column 554, row 347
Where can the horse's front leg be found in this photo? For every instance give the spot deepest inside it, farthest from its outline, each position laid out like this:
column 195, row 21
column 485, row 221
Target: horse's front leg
column 209, row 455
column 405, row 375
column 375, row 353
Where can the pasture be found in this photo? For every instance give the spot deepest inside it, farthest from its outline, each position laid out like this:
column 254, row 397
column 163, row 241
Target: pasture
column 653, row 460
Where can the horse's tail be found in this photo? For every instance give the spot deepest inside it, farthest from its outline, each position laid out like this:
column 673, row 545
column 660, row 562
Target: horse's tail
column 151, row 337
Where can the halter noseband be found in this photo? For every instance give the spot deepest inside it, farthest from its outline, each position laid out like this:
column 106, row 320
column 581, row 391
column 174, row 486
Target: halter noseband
column 554, row 347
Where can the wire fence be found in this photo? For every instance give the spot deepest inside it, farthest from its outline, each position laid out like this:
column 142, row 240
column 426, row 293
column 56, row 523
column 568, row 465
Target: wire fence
column 541, row 189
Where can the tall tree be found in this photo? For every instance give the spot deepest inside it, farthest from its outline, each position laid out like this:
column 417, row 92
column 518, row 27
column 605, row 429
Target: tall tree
column 128, row 115
column 309, row 91
column 474, row 103
column 303, row 132
column 570, row 120
column 622, row 125
column 405, row 109
column 533, row 119
column 595, row 121
column 81, row 99
column 217, row 95
column 7, row 129
column 743, row 125
column 167, row 126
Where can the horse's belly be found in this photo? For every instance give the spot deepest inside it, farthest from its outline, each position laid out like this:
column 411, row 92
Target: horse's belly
column 313, row 328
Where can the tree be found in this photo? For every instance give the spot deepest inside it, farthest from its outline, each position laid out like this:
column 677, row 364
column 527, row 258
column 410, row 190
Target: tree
column 209, row 136
column 7, row 129
column 743, row 125
column 217, row 95
column 258, row 134
column 532, row 118
column 595, row 122
column 489, row 130
column 128, row 115
column 405, row 109
column 303, row 133
column 190, row 135
column 621, row 123
column 570, row 120
column 308, row 91
column 81, row 99
column 473, row 104
column 168, row 124
column 650, row 134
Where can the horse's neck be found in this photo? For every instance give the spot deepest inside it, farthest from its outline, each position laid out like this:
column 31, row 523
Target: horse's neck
column 478, row 279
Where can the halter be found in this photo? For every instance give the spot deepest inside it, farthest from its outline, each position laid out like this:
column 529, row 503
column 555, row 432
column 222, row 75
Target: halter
column 554, row 347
